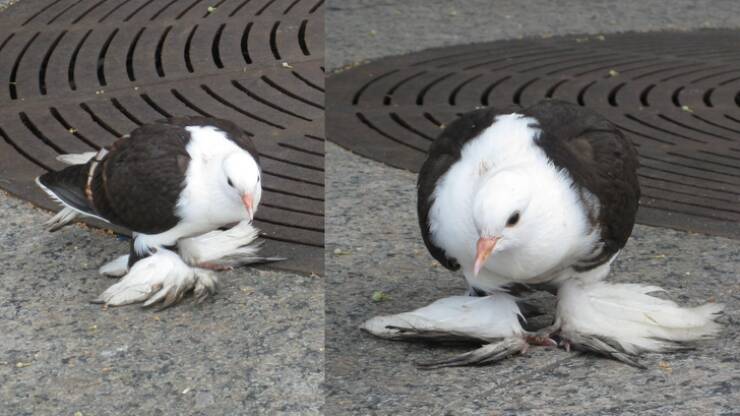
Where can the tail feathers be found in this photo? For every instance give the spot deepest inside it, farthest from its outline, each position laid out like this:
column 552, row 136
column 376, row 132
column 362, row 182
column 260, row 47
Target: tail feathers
column 62, row 218
column 76, row 158
column 67, row 186
column 628, row 315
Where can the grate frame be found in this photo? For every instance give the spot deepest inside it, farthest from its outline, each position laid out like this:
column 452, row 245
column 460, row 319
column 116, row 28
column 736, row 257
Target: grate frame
column 77, row 74
column 676, row 95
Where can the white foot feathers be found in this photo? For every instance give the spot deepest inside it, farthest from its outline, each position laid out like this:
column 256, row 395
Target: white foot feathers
column 493, row 319
column 166, row 276
column 115, row 268
column 237, row 246
column 161, row 277
column 623, row 320
column 454, row 318
column 619, row 321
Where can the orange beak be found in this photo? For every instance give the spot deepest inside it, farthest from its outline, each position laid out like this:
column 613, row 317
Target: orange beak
column 247, row 199
column 484, row 249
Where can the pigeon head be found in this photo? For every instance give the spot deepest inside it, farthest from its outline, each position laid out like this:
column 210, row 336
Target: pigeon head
column 243, row 177
column 500, row 213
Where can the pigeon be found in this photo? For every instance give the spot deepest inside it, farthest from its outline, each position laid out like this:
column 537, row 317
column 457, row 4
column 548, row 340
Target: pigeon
column 541, row 198
column 175, row 184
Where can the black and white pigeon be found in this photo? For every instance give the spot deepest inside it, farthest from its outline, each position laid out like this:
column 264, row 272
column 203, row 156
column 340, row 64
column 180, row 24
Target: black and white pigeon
column 544, row 197
column 174, row 183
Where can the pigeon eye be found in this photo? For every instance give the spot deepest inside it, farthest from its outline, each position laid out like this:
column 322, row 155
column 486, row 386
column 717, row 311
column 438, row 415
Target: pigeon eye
column 513, row 219
column 231, row 184
column 258, row 179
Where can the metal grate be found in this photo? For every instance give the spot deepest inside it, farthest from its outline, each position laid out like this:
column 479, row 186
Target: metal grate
column 676, row 95
column 77, row 74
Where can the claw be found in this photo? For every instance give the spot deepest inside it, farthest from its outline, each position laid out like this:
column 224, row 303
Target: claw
column 540, row 340
column 215, row 266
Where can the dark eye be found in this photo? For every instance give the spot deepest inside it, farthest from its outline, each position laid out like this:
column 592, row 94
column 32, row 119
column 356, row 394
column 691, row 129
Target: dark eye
column 231, row 184
column 513, row 219
column 258, row 179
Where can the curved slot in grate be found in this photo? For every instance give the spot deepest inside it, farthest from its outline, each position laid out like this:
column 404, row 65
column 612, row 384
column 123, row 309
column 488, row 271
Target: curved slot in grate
column 74, row 85
column 675, row 95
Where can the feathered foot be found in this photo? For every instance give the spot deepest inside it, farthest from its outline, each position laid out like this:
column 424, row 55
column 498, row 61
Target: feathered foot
column 224, row 250
column 115, row 268
column 621, row 321
column 492, row 319
column 164, row 277
column 487, row 354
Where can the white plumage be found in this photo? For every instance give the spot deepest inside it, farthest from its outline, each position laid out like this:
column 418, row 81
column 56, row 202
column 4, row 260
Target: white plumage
column 496, row 204
column 216, row 166
column 163, row 276
column 627, row 314
column 487, row 318
column 501, row 172
column 207, row 202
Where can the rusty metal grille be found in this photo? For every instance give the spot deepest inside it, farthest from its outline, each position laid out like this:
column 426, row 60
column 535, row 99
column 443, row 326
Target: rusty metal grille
column 676, row 95
column 77, row 74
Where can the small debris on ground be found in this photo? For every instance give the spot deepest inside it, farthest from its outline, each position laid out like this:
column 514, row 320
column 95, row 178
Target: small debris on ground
column 379, row 296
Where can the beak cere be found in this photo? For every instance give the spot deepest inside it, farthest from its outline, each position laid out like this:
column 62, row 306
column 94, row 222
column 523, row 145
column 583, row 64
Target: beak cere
column 247, row 200
column 484, row 249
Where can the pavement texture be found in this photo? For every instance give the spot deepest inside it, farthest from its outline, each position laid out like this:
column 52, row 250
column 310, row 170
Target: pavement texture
column 256, row 347
column 373, row 244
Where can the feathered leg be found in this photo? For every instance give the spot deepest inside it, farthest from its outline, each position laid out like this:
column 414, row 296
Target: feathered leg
column 623, row 320
column 162, row 276
column 115, row 268
column 493, row 319
column 224, row 249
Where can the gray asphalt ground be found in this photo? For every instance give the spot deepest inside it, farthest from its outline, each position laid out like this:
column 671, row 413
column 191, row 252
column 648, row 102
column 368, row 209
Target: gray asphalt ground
column 374, row 245
column 256, row 347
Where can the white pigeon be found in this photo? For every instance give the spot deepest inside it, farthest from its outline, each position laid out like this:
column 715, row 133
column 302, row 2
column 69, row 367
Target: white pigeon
column 173, row 183
column 544, row 197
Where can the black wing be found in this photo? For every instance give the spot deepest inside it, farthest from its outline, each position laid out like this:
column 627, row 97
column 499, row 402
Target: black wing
column 443, row 153
column 141, row 178
column 599, row 159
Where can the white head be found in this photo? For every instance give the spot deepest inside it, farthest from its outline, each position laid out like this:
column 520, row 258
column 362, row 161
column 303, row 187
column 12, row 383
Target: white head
column 243, row 180
column 500, row 213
